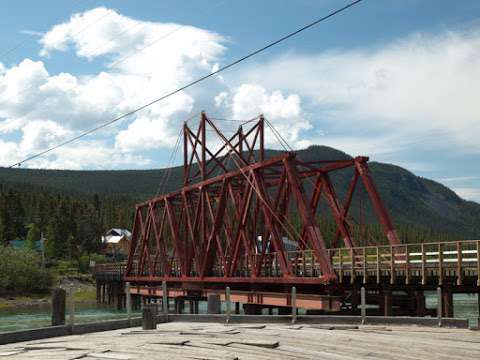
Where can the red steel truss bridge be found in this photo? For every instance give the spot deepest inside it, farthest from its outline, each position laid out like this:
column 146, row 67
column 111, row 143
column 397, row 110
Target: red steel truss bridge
column 251, row 222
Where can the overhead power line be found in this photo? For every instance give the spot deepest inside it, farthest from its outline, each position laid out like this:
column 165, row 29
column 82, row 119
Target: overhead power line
column 186, row 86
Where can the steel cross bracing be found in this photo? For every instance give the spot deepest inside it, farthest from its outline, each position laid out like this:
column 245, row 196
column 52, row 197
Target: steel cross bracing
column 237, row 212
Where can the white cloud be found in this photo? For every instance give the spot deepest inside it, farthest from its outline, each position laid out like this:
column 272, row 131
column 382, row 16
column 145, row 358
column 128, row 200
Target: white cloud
column 423, row 86
column 40, row 108
column 89, row 154
column 468, row 193
column 459, row 178
column 38, row 135
column 284, row 112
column 31, row 32
column 418, row 92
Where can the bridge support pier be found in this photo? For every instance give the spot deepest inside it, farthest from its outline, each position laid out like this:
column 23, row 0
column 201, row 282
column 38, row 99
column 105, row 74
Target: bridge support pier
column 447, row 304
column 386, row 304
column 98, row 292
column 179, row 306
column 253, row 309
column 354, row 299
column 214, row 305
column 284, row 310
column 237, row 307
column 419, row 303
column 478, row 304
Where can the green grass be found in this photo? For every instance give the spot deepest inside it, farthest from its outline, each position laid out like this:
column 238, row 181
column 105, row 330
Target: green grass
column 85, row 295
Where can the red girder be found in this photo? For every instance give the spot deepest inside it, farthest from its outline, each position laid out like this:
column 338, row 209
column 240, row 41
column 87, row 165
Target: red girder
column 233, row 224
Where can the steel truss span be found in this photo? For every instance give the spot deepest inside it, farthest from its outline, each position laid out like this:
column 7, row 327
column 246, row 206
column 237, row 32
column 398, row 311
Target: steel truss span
column 242, row 218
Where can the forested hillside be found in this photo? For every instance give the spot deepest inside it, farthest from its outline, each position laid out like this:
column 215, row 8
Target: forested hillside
column 73, row 208
column 73, row 224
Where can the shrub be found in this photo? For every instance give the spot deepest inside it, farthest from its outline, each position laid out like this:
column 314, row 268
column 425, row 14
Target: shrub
column 67, row 267
column 84, row 261
column 21, row 272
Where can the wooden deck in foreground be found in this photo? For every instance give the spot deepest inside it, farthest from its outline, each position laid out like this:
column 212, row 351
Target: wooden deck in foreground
column 243, row 341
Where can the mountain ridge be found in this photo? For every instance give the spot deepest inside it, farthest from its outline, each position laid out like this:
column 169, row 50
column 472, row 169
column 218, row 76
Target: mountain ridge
column 410, row 199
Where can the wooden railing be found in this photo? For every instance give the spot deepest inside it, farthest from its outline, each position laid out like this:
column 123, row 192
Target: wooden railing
column 422, row 263
column 457, row 259
column 109, row 271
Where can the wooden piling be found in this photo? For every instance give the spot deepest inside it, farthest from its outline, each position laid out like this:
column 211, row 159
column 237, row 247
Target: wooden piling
column 447, row 304
column 439, row 305
column 214, row 304
column 387, row 302
column 420, row 304
column 294, row 304
column 363, row 304
column 98, row 292
column 228, row 304
column 149, row 317
column 58, row 306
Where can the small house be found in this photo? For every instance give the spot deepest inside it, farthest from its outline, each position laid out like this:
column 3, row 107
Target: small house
column 116, row 242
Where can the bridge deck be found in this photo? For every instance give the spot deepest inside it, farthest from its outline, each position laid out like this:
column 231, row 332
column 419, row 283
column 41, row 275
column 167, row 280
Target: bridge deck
column 409, row 268
column 454, row 263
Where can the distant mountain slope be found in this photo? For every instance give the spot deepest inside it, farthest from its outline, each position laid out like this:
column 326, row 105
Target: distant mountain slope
column 411, row 200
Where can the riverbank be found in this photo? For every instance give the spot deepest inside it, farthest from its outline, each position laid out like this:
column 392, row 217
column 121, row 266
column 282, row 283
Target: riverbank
column 85, row 292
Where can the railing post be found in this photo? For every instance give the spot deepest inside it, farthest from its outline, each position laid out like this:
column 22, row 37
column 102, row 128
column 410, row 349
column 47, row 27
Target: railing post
column 165, row 300
column 478, row 266
column 228, row 304
column 459, row 263
column 312, row 263
column 340, row 275
column 294, row 304
column 407, row 265
column 440, row 264
column 364, row 265
column 304, row 265
column 392, row 265
column 422, row 247
column 71, row 308
column 378, row 264
column 363, row 301
column 352, row 263
column 128, row 303
column 439, row 305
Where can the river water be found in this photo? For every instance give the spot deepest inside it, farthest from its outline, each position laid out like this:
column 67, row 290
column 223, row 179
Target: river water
column 29, row 317
column 35, row 316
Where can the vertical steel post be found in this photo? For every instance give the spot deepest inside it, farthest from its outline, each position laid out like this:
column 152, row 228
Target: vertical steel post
column 294, row 304
column 128, row 303
column 228, row 304
column 203, row 149
column 71, row 307
column 165, row 300
column 261, row 124
column 439, row 305
column 185, row 154
column 363, row 304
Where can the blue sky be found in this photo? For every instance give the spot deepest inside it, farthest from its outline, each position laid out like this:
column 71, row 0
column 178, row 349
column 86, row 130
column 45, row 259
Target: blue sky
column 395, row 80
